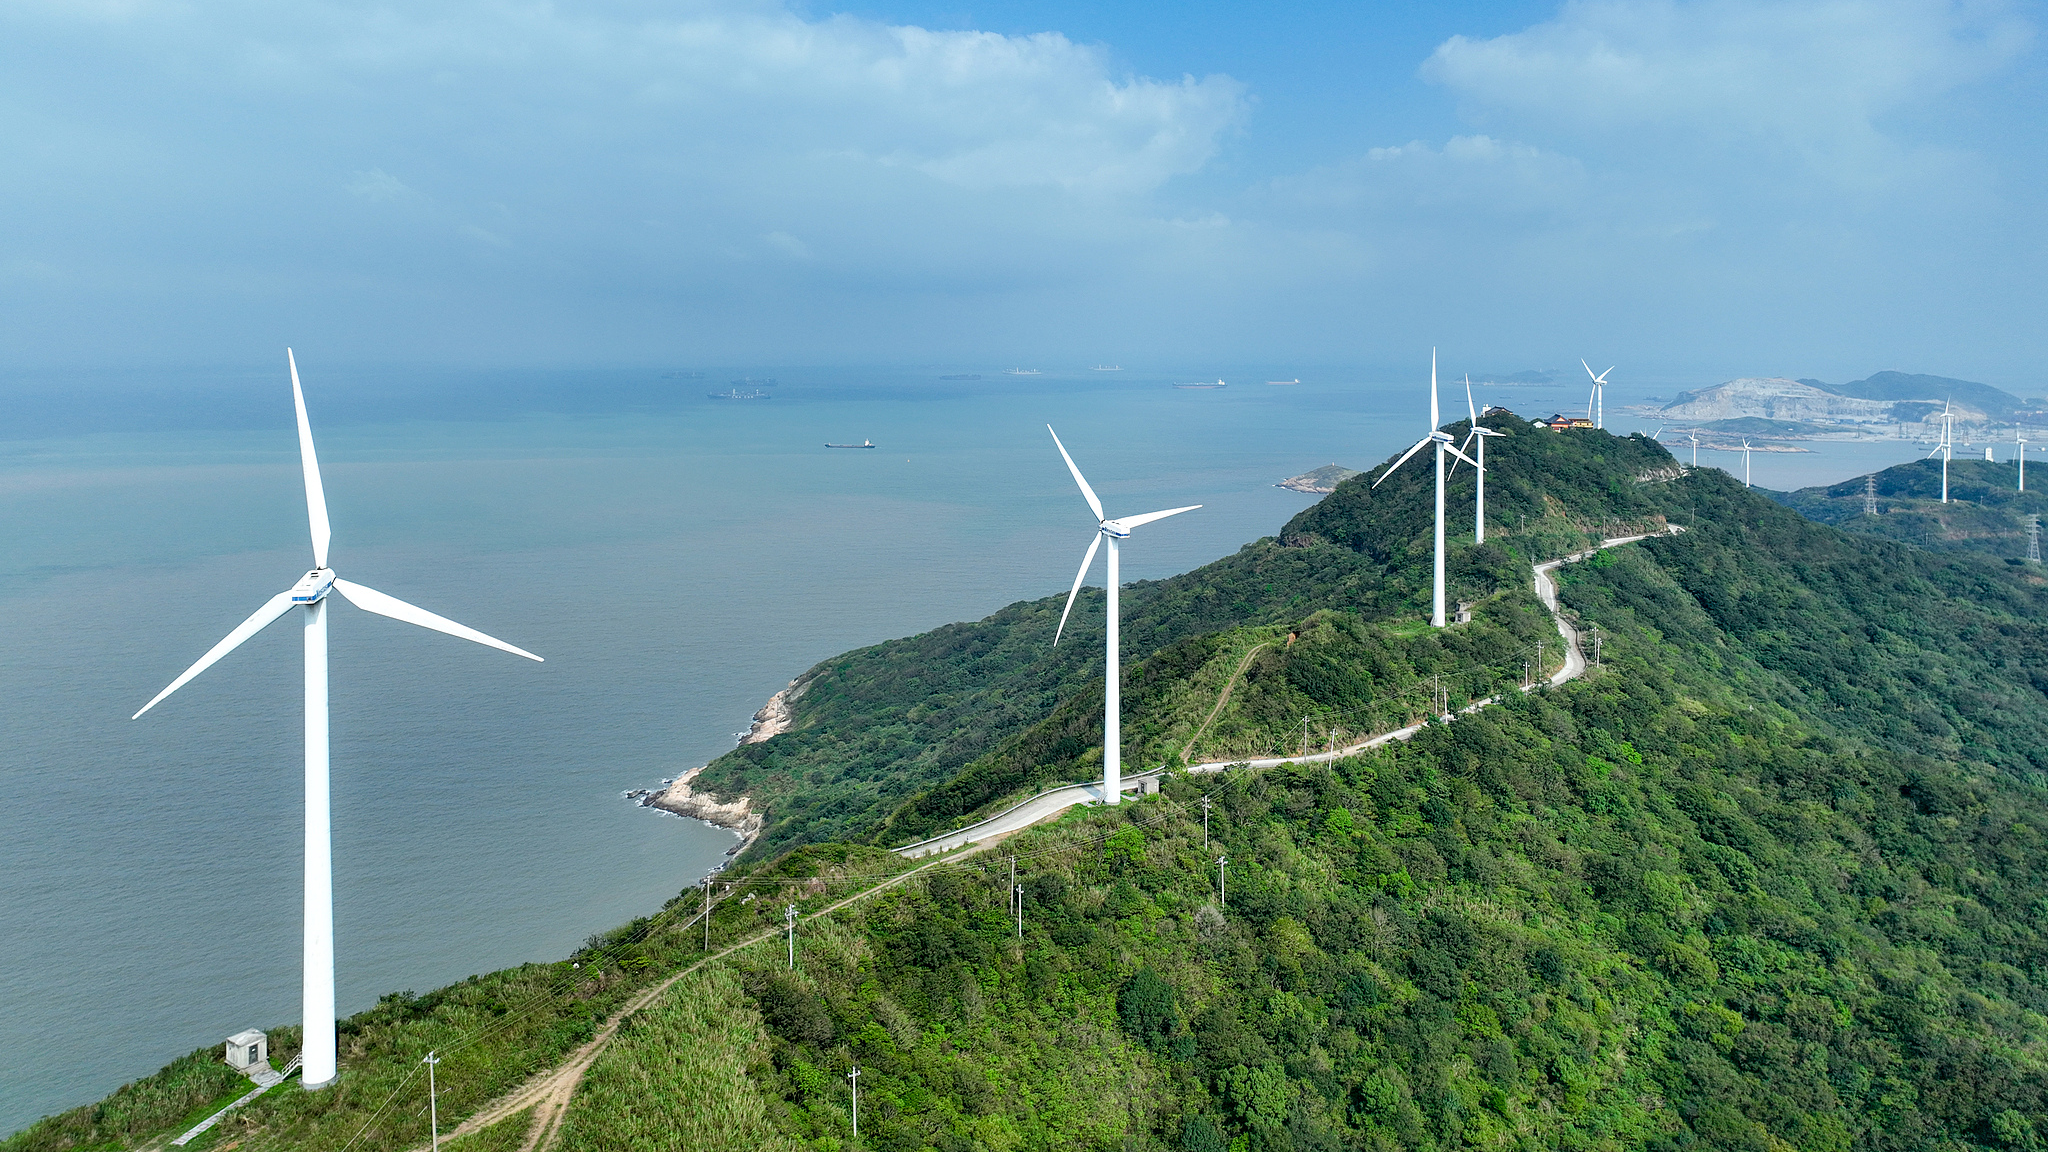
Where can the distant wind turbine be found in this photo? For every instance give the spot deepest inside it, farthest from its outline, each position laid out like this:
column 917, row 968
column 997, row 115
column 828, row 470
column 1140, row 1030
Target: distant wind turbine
column 1946, row 447
column 1476, row 439
column 1442, row 440
column 1596, row 400
column 318, row 1060
column 1112, row 708
column 2020, row 435
column 1745, row 463
column 1695, row 447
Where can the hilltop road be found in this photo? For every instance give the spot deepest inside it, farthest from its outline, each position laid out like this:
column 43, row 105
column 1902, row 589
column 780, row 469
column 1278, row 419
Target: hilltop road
column 1053, row 801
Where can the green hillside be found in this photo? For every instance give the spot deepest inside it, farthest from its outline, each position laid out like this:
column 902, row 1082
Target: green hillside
column 876, row 728
column 1985, row 513
column 1771, row 878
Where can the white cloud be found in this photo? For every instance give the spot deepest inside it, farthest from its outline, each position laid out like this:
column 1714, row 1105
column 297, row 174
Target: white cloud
column 1468, row 177
column 376, row 185
column 1813, row 76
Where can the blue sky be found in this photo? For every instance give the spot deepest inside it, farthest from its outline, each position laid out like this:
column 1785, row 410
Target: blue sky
column 1699, row 189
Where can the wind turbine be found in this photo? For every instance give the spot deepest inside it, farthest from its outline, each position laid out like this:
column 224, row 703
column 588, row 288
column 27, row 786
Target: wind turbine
column 1596, row 400
column 1946, row 447
column 1112, row 531
column 1695, row 447
column 1745, row 463
column 2020, row 434
column 310, row 594
column 1477, row 437
column 1442, row 440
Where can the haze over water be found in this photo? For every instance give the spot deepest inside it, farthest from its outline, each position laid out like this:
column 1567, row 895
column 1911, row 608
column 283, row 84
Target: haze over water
column 675, row 558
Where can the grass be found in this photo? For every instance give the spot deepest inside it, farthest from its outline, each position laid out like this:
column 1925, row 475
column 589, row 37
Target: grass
column 507, row 1135
column 678, row 1077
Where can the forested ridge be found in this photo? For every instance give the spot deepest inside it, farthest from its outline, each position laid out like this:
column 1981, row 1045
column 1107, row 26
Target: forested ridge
column 1771, row 877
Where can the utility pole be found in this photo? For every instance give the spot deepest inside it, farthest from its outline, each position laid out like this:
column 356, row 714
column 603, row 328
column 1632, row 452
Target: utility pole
column 1596, row 645
column 789, row 916
column 1222, row 900
column 707, row 913
column 854, row 1076
column 433, row 1104
column 1539, row 663
column 1205, row 821
column 1304, row 737
column 1017, row 891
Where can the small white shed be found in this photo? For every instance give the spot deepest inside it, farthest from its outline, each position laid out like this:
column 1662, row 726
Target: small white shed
column 246, row 1050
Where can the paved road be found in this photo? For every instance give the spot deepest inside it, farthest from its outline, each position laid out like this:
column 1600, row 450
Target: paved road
column 1054, row 801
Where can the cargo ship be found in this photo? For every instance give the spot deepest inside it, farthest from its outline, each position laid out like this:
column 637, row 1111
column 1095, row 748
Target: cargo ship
column 737, row 394
column 1218, row 384
column 862, row 444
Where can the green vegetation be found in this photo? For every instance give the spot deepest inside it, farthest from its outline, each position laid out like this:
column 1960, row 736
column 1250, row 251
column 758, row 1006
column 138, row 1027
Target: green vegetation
column 877, row 729
column 1771, row 879
column 1985, row 512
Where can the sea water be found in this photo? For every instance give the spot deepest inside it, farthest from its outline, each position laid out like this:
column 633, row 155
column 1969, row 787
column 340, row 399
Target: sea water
column 676, row 558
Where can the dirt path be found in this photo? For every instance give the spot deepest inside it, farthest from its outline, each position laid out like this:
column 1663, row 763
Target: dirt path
column 1221, row 700
column 549, row 1092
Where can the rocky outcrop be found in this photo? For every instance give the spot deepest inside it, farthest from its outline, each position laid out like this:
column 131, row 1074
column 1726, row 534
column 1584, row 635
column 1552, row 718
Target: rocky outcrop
column 683, row 800
column 776, row 715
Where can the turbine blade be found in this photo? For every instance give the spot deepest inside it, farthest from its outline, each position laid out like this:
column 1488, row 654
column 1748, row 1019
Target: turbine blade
column 1419, row 444
column 1469, row 409
column 276, row 607
column 1462, row 456
column 316, row 496
column 371, row 600
column 1130, row 522
column 1076, row 590
column 1602, row 378
column 1587, row 367
column 1433, row 417
column 1087, row 493
column 1469, row 438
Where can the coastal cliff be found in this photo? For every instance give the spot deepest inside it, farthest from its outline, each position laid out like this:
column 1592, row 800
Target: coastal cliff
column 681, row 798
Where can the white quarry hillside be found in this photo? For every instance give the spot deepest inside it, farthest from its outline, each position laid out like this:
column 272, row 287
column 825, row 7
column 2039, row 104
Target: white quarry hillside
column 1776, row 398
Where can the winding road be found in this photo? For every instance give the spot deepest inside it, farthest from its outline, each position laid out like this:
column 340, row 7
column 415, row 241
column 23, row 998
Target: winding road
column 1054, row 801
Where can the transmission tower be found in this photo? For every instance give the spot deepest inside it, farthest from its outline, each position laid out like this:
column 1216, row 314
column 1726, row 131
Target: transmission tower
column 1870, row 495
column 2034, row 539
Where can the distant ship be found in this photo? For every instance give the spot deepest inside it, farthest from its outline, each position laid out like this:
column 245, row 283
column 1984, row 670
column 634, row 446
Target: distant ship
column 751, row 382
column 682, row 376
column 1218, row 384
column 962, row 376
column 1107, row 368
column 1020, row 371
column 862, row 444
column 736, row 394
column 1294, row 381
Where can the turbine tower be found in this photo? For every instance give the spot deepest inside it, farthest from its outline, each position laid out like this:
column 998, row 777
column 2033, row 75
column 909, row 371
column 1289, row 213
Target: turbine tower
column 1596, row 400
column 2020, row 435
column 1695, row 447
column 318, row 1062
column 1442, row 440
column 1112, row 710
column 1745, row 463
column 1476, row 440
column 1946, row 447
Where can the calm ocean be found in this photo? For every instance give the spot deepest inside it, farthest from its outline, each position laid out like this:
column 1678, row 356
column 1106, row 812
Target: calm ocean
column 676, row 558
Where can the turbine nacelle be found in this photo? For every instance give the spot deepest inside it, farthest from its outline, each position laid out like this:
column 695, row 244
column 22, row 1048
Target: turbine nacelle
column 313, row 586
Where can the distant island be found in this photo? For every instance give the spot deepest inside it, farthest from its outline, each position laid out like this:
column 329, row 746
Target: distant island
column 1887, row 405
column 1319, row 481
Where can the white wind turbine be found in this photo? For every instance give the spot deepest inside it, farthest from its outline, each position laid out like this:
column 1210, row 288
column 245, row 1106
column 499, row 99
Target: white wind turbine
column 1745, row 463
column 317, row 1060
column 1442, row 440
column 1112, row 709
column 1596, row 400
column 1476, row 439
column 2020, row 435
column 1695, row 448
column 1946, row 447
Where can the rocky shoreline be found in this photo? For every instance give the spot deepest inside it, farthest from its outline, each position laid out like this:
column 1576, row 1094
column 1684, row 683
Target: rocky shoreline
column 678, row 797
